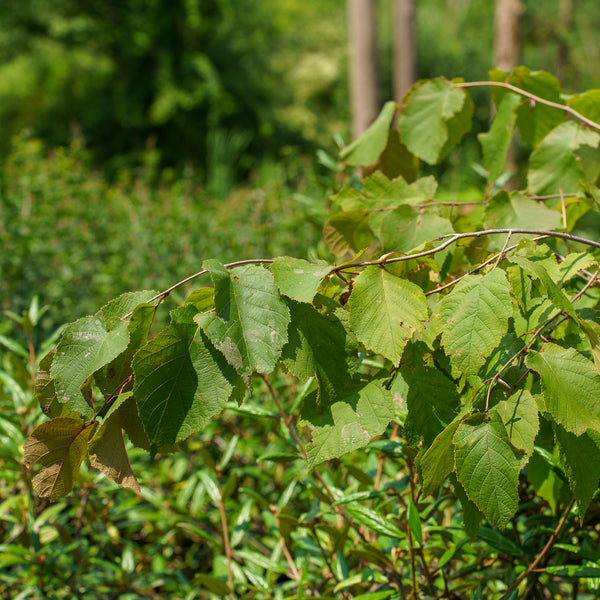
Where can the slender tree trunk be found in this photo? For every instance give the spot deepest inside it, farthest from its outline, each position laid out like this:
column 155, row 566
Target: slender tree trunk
column 364, row 80
column 404, row 47
column 507, row 47
column 566, row 13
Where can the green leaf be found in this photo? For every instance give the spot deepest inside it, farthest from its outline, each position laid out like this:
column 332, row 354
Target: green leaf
column 180, row 380
column 385, row 311
column 348, row 231
column 588, row 104
column 59, row 445
column 349, row 423
column 374, row 521
column 515, row 210
column 414, row 523
column 471, row 514
column 496, row 142
column 488, row 467
column 425, row 121
column 474, row 318
column 553, row 165
column 107, row 448
column 571, row 387
column 320, row 346
column 251, row 320
column 396, row 160
column 438, row 462
column 519, row 413
column 89, row 344
column 299, row 279
column 366, row 150
column 580, row 459
column 577, row 571
column 592, row 330
column 407, row 228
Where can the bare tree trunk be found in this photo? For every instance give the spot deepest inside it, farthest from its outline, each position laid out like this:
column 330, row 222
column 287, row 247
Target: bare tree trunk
column 404, row 47
column 364, row 80
column 507, row 47
column 566, row 13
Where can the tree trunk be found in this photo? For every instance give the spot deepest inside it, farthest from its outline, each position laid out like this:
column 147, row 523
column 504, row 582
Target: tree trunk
column 364, row 80
column 405, row 47
column 565, row 15
column 507, row 47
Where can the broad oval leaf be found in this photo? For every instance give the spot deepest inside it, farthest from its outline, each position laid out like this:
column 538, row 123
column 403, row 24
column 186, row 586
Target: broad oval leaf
column 299, row 279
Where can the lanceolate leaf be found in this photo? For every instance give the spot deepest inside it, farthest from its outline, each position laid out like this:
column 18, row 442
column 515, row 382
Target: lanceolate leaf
column 424, row 122
column 299, row 279
column 580, row 459
column 251, row 320
column 349, row 423
column 473, row 318
column 59, row 445
column 488, row 467
column 107, row 448
column 385, row 311
column 87, row 345
column 571, row 387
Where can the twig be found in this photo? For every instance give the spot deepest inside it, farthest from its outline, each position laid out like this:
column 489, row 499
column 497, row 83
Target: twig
column 564, row 210
column 542, row 554
column 564, row 107
column 226, row 542
column 501, row 254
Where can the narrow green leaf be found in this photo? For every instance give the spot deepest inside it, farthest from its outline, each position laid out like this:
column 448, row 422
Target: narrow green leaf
column 438, row 462
column 496, row 142
column 374, row 521
column 488, row 467
column 473, row 318
column 348, row 231
column 578, row 571
column 519, row 413
column 571, row 387
column 299, row 279
column 554, row 165
column 349, row 423
column 385, row 311
column 425, row 121
column 59, row 445
column 366, row 150
column 414, row 523
column 500, row 542
column 580, row 459
column 251, row 320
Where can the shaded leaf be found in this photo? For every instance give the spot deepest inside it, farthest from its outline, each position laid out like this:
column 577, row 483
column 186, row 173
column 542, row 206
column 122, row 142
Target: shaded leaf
column 515, row 210
column 385, row 311
column 59, row 445
column 474, row 318
column 519, row 413
column 571, row 387
column 488, row 467
column 438, row 462
column 348, row 231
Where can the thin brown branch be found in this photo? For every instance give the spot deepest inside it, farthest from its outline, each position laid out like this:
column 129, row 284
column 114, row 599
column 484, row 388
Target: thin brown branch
column 226, row 541
column 542, row 554
column 513, row 88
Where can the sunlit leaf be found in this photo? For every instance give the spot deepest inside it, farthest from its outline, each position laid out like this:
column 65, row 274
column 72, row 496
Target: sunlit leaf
column 299, row 279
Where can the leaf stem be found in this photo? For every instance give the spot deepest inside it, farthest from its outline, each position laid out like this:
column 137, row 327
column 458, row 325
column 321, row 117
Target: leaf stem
column 513, row 88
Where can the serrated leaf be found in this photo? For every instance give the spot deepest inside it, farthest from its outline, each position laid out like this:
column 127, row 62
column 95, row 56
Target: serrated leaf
column 571, row 387
column 180, row 380
column 299, row 279
column 107, row 448
column 438, row 462
column 407, row 228
column 424, row 122
column 251, row 320
column 592, row 330
column 553, row 166
column 59, row 445
column 89, row 344
column 320, row 346
column 515, row 210
column 349, row 423
column 572, row 264
column 474, row 318
column 488, row 467
column 348, row 231
column 365, row 150
column 496, row 142
column 580, row 459
column 519, row 413
column 385, row 311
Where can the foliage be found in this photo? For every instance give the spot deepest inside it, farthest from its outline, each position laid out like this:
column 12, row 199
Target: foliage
column 437, row 352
